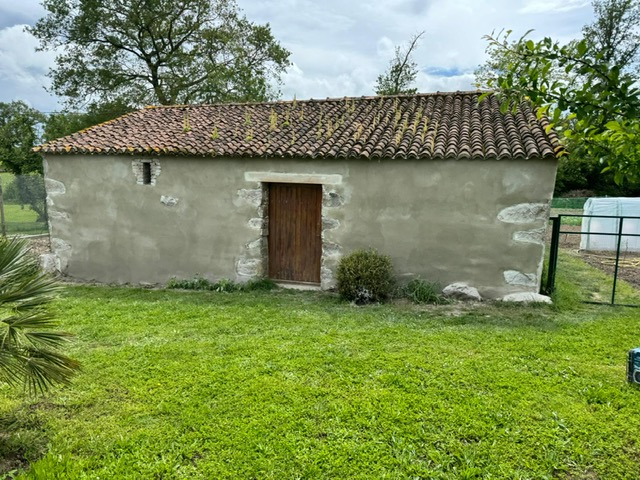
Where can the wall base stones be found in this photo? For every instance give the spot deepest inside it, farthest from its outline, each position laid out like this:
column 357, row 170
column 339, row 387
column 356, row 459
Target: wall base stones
column 462, row 291
column 526, row 297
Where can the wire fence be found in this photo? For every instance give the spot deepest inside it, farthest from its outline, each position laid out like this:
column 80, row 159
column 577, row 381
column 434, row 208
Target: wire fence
column 22, row 205
column 623, row 241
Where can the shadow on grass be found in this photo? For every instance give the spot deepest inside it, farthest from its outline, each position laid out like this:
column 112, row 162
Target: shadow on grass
column 22, row 440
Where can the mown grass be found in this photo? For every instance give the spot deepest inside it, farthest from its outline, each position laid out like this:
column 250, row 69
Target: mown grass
column 572, row 202
column 301, row 385
column 18, row 214
column 567, row 211
column 22, row 220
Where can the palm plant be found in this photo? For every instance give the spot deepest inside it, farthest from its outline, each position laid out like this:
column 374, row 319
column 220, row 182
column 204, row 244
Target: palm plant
column 28, row 342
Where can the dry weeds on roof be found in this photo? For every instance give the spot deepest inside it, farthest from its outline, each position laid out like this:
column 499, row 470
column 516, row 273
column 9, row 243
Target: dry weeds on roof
column 425, row 126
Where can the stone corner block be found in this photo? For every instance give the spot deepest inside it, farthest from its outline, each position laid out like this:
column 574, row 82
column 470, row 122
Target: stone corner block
column 526, row 297
column 50, row 263
column 462, row 291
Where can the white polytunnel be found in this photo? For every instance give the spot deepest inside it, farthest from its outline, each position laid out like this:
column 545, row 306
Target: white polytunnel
column 615, row 207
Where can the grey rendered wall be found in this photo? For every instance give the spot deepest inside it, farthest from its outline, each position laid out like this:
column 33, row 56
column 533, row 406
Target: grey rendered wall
column 479, row 222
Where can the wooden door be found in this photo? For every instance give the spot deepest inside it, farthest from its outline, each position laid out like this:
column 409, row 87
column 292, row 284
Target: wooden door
column 295, row 235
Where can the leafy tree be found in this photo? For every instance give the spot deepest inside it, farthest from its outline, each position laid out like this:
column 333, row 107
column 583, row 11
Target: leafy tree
column 65, row 123
column 140, row 52
column 31, row 191
column 19, row 133
column 600, row 111
column 614, row 33
column 20, row 127
column 29, row 347
column 609, row 50
column 402, row 72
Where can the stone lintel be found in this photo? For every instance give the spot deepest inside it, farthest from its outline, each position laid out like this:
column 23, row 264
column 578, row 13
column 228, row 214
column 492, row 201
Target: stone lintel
column 276, row 177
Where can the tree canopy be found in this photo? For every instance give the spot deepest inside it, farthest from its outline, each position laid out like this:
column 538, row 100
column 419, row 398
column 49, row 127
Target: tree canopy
column 140, row 52
column 19, row 133
column 588, row 87
column 402, row 71
column 614, row 33
column 64, row 123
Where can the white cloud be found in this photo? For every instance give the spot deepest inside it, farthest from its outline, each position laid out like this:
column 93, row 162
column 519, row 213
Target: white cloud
column 23, row 70
column 338, row 47
column 551, row 6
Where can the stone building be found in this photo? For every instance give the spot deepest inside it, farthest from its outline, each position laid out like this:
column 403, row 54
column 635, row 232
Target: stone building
column 453, row 189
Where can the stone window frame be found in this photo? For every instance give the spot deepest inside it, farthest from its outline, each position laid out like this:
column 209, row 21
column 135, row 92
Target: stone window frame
column 138, row 170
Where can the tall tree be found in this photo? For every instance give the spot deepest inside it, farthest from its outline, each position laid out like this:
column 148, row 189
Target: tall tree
column 614, row 34
column 19, row 133
column 600, row 112
column 141, row 52
column 585, row 85
column 65, row 123
column 402, row 71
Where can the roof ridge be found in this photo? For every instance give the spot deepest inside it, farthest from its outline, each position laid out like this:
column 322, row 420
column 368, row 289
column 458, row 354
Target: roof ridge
column 327, row 99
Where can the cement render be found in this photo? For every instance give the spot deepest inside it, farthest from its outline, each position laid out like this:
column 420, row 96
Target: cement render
column 447, row 221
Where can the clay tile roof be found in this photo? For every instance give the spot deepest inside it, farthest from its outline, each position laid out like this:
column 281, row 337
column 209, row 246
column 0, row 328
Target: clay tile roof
column 423, row 126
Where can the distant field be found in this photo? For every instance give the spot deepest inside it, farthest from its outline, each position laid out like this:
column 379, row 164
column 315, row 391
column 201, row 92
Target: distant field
column 572, row 203
column 568, row 211
column 22, row 220
column 6, row 178
column 15, row 214
column 19, row 219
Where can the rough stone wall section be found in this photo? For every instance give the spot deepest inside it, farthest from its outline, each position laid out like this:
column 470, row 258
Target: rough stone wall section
column 252, row 264
column 58, row 260
column 521, row 214
column 136, row 166
column 332, row 201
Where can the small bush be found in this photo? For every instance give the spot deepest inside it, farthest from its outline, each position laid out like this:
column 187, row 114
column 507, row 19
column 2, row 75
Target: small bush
column 260, row 284
column 365, row 276
column 225, row 285
column 196, row 283
column 421, row 291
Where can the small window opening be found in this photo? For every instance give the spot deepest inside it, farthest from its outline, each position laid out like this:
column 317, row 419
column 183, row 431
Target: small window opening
column 146, row 173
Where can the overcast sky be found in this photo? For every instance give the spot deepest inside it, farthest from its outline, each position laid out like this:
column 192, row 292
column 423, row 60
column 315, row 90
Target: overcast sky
column 338, row 47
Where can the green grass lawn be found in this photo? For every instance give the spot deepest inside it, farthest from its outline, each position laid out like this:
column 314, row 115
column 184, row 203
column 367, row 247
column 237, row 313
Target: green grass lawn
column 17, row 214
column 300, row 385
column 22, row 220
column 568, row 211
column 18, row 219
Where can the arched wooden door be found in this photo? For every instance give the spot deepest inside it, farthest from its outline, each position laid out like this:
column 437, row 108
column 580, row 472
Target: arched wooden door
column 295, row 232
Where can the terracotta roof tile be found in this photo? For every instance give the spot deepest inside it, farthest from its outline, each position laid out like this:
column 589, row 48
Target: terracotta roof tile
column 440, row 125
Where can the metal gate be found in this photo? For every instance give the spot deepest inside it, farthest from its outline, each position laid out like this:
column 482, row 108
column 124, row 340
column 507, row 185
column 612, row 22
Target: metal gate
column 556, row 231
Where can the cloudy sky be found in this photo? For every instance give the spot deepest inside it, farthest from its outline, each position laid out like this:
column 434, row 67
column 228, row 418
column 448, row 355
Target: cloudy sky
column 338, row 47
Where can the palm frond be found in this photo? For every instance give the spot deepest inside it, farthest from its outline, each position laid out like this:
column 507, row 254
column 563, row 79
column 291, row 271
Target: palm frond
column 28, row 340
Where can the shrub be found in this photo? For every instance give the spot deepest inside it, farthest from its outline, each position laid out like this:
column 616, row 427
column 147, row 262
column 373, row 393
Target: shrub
column 196, row 283
column 225, row 285
column 30, row 348
column 260, row 284
column 421, row 291
column 365, row 276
